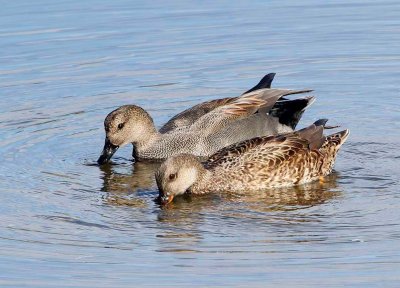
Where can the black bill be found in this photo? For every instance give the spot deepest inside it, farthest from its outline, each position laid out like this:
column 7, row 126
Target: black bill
column 108, row 151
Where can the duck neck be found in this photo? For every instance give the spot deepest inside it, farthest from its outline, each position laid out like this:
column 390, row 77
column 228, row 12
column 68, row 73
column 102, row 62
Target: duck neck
column 201, row 186
column 149, row 136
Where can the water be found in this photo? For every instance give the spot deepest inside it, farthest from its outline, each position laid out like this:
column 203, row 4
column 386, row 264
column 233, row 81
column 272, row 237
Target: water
column 66, row 222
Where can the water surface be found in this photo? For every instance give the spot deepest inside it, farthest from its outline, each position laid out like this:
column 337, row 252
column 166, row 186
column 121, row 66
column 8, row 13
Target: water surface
column 66, row 222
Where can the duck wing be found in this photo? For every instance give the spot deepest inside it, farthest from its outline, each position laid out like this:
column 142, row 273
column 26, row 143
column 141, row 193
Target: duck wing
column 291, row 157
column 240, row 108
column 190, row 115
column 267, row 150
column 265, row 82
column 272, row 147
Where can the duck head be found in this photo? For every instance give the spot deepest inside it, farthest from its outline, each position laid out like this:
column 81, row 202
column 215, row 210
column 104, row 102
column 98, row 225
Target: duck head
column 127, row 124
column 176, row 175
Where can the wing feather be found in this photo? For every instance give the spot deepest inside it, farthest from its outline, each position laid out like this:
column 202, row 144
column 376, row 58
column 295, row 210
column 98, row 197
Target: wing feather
column 268, row 150
column 191, row 115
column 240, row 107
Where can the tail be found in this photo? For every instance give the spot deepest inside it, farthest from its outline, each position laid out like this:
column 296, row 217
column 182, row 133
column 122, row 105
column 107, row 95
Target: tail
column 321, row 122
column 326, row 144
column 337, row 139
column 265, row 82
column 289, row 112
column 330, row 149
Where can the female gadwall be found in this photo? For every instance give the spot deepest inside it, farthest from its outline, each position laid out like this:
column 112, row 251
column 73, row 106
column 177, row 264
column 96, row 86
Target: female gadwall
column 259, row 163
column 235, row 120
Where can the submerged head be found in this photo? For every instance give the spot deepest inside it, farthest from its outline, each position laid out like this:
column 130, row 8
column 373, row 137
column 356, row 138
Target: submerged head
column 127, row 124
column 176, row 175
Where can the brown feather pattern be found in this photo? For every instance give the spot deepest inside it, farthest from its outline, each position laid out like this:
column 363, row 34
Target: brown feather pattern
column 274, row 161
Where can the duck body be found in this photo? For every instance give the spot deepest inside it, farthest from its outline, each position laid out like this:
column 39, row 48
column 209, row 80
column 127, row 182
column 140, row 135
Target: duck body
column 228, row 121
column 260, row 163
column 201, row 143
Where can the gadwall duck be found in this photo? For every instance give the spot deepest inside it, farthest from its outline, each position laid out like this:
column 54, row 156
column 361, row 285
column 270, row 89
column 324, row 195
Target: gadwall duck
column 259, row 163
column 235, row 120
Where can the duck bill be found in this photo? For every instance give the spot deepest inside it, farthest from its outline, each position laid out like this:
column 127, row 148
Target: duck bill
column 108, row 151
column 166, row 199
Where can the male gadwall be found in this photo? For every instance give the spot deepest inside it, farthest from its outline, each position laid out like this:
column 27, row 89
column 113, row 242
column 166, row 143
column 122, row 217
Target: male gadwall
column 259, row 163
column 235, row 120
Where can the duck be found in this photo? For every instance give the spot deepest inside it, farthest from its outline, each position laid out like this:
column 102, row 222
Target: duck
column 204, row 128
column 259, row 163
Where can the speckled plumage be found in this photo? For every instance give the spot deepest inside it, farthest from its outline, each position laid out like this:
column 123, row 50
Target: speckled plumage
column 259, row 163
column 216, row 124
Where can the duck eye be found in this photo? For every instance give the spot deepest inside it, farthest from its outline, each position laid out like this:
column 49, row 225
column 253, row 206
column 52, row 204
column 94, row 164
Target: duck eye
column 172, row 176
column 121, row 125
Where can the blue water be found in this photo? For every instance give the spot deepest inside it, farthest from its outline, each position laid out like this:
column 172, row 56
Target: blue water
column 67, row 223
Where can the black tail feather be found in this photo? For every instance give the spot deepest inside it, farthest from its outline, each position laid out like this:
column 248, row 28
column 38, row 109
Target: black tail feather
column 289, row 112
column 321, row 122
column 265, row 82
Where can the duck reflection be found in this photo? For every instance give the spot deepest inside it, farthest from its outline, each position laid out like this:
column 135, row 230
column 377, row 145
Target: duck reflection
column 179, row 224
column 125, row 179
column 184, row 223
